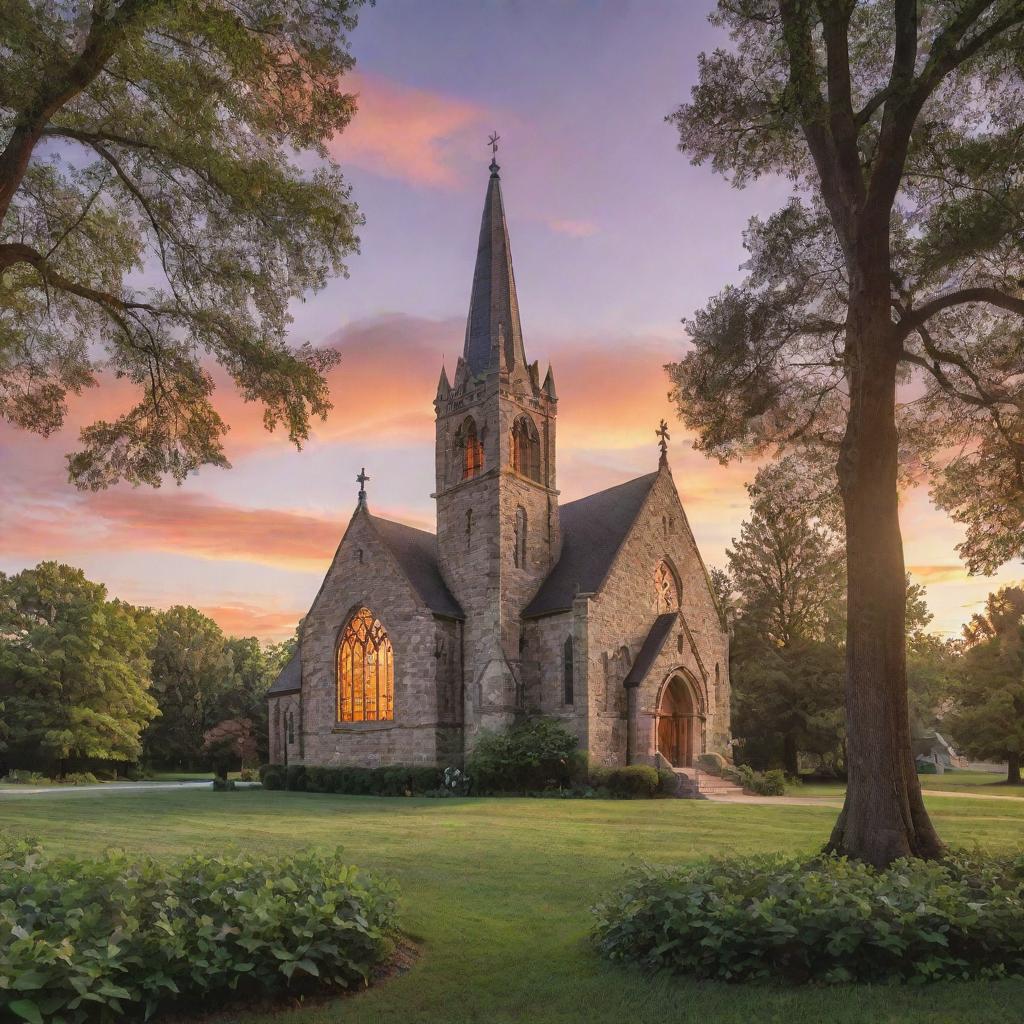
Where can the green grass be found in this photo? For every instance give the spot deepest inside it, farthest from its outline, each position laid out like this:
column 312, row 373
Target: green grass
column 496, row 893
column 982, row 783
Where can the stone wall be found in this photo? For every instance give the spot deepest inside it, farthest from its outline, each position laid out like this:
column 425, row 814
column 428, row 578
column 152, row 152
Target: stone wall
column 427, row 656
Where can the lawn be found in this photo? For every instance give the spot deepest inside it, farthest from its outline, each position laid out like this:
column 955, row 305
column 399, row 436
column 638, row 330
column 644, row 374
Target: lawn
column 496, row 893
column 982, row 783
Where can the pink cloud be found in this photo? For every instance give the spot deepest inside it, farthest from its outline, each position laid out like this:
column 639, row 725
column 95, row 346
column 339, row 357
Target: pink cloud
column 573, row 228
column 410, row 134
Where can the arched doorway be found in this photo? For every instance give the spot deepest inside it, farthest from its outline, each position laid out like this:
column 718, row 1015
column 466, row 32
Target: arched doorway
column 679, row 723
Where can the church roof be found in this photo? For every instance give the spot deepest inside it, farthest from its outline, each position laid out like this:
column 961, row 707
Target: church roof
column 416, row 553
column 593, row 529
column 651, row 648
column 290, row 678
column 493, row 307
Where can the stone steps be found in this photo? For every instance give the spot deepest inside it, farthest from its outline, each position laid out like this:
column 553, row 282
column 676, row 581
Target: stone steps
column 697, row 785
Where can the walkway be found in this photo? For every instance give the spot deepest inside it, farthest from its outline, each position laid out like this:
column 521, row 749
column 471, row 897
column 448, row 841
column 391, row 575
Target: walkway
column 103, row 787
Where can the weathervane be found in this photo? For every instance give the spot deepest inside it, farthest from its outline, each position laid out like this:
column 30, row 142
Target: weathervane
column 663, row 439
column 362, row 478
column 494, row 138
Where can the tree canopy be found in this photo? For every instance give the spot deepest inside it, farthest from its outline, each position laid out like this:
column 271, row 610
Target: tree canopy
column 74, row 668
column 898, row 263
column 165, row 192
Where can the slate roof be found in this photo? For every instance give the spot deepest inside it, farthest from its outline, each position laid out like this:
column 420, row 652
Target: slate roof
column 416, row 553
column 493, row 306
column 290, row 679
column 593, row 529
column 651, row 648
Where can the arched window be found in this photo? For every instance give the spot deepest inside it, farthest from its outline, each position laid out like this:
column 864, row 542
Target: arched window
column 568, row 671
column 519, row 553
column 526, row 448
column 366, row 671
column 470, row 448
column 665, row 587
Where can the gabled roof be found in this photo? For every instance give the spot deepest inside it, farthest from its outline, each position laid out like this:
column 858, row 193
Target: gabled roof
column 651, row 648
column 416, row 553
column 290, row 678
column 593, row 529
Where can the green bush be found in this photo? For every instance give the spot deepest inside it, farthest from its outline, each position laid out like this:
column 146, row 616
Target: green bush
column 295, row 777
column 22, row 777
column 273, row 777
column 668, row 782
column 827, row 920
column 121, row 937
column 223, row 785
column 529, row 756
column 80, row 779
column 391, row 780
column 769, row 783
column 635, row 780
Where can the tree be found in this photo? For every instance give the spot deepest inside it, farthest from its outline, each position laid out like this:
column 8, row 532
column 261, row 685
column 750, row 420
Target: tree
column 988, row 716
column 193, row 670
column 247, row 699
column 786, row 569
column 230, row 743
column 154, row 219
column 899, row 124
column 74, row 668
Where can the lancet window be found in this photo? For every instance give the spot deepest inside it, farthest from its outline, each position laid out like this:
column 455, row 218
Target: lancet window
column 526, row 448
column 366, row 671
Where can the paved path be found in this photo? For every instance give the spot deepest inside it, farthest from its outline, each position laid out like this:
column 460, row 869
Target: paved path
column 105, row 787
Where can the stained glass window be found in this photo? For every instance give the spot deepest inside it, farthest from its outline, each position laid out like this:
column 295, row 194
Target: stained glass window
column 366, row 671
column 472, row 450
column 665, row 588
column 568, row 671
column 525, row 448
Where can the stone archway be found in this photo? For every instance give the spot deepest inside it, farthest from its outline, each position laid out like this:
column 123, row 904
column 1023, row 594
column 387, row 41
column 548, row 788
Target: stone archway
column 679, row 723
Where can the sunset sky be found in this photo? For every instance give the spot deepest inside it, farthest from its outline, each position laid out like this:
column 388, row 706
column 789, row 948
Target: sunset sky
column 615, row 238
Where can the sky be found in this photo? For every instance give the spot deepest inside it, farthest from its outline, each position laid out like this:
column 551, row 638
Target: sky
column 615, row 238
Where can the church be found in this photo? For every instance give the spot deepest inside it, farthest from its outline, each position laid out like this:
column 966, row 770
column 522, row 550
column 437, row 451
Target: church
column 598, row 613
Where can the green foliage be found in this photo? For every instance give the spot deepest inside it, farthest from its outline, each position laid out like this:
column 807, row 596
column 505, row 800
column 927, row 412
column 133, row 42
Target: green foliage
column 21, row 776
column 769, row 783
column 635, row 781
column 391, row 780
column 668, row 782
column 223, row 785
column 273, row 778
column 827, row 921
column 122, row 937
column 74, row 668
column 532, row 755
column 295, row 777
column 987, row 719
column 190, row 139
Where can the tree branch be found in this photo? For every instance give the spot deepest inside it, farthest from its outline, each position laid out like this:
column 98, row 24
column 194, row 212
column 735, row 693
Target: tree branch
column 915, row 318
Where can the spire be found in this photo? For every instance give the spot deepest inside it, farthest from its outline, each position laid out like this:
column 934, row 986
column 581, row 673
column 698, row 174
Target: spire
column 549, row 384
column 493, row 321
column 443, row 387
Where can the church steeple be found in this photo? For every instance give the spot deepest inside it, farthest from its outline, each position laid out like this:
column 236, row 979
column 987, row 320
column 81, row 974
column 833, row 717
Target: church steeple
column 494, row 337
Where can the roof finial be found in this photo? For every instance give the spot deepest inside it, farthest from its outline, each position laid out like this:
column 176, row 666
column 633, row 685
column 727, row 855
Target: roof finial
column 494, row 139
column 362, row 478
column 663, row 439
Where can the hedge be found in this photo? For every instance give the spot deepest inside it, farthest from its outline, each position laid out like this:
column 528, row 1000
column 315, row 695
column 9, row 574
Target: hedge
column 392, row 780
column 828, row 920
column 119, row 937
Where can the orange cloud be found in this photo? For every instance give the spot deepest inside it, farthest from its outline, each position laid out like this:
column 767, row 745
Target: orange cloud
column 409, row 134
column 939, row 573
column 254, row 620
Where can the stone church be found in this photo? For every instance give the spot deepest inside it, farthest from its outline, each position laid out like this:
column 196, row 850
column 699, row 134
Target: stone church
column 598, row 612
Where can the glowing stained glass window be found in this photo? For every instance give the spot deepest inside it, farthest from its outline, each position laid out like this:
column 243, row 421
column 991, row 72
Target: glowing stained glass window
column 472, row 450
column 525, row 449
column 666, row 590
column 366, row 671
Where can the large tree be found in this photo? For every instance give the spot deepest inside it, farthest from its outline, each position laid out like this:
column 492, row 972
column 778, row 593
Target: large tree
column 900, row 125
column 193, row 674
column 156, row 218
column 786, row 657
column 988, row 714
column 74, row 668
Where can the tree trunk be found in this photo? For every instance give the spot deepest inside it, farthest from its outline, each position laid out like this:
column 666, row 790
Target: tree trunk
column 790, row 756
column 1013, row 768
column 883, row 817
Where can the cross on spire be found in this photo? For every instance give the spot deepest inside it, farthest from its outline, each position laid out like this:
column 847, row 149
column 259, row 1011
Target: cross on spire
column 493, row 139
column 362, row 478
column 663, row 438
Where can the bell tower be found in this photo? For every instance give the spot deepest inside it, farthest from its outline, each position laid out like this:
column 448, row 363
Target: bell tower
column 497, row 504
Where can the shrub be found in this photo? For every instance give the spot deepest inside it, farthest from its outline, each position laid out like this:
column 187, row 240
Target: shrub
column 223, row 785
column 249, row 775
column 295, row 777
column 122, row 937
column 80, row 779
column 26, row 778
column 635, row 780
column 827, row 920
column 668, row 782
column 770, row 783
column 531, row 755
column 273, row 778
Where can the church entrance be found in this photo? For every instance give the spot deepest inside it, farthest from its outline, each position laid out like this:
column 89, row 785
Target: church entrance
column 679, row 724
